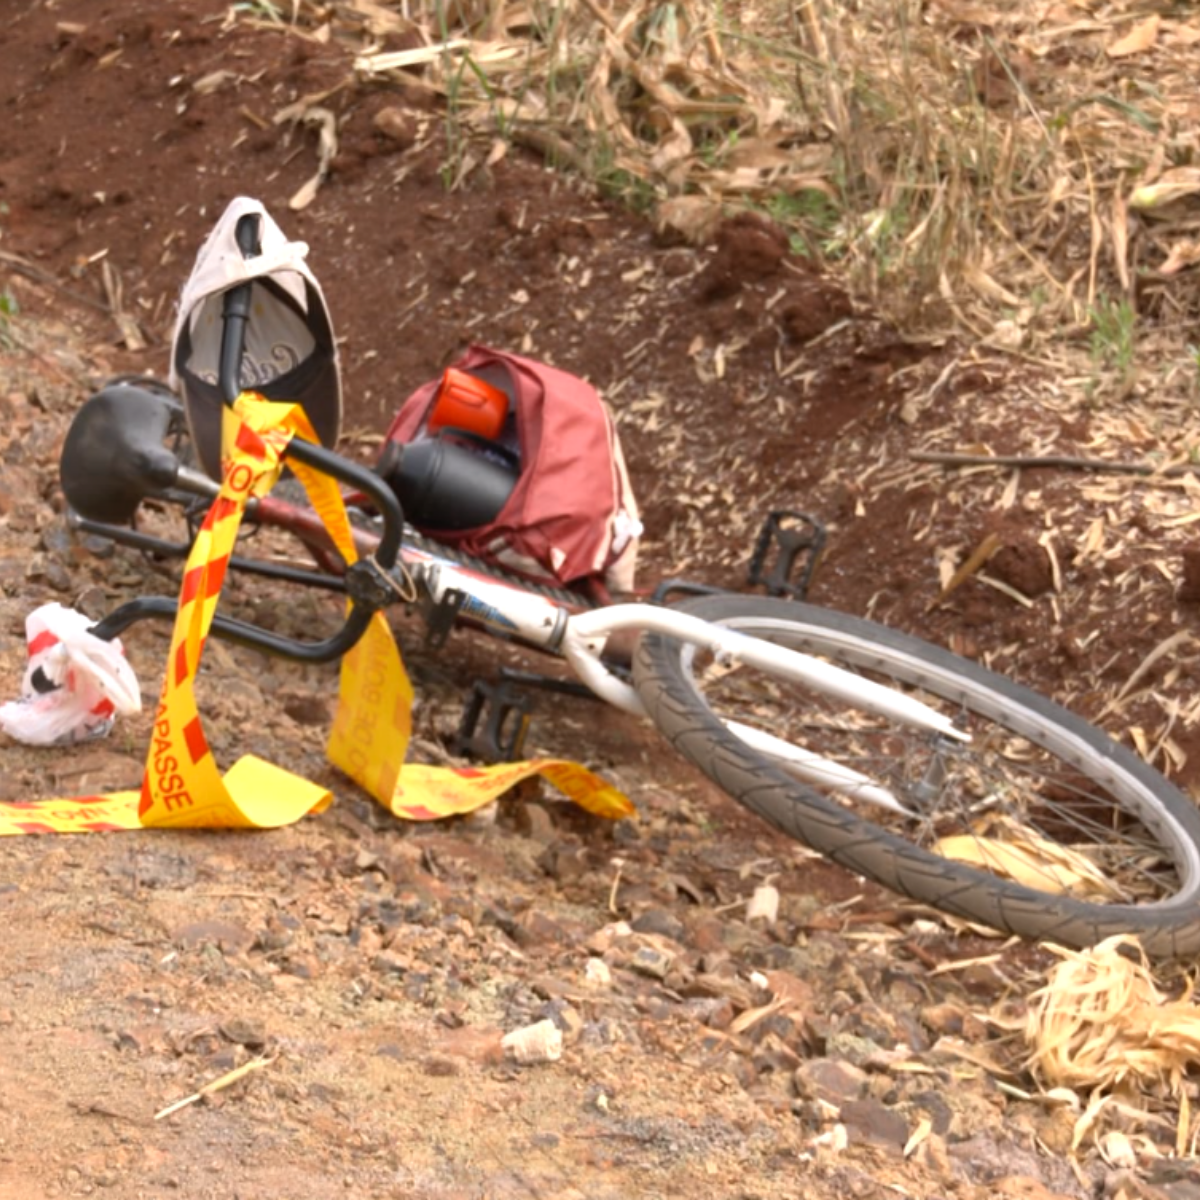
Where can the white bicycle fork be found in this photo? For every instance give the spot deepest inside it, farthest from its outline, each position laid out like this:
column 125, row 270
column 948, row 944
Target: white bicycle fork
column 586, row 632
column 512, row 611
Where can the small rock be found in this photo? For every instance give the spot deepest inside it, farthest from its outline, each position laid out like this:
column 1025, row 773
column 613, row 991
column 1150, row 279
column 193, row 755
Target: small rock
column 831, row 1080
column 1056, row 1128
column 395, row 125
column 943, row 1019
column 565, row 1017
column 535, row 928
column 98, row 547
column 303, row 967
column 306, row 708
column 225, row 935
column 604, row 938
column 982, row 979
column 387, row 963
column 1026, row 1187
column 244, row 1033
column 721, row 1014
column 273, row 938
column 660, row 921
column 651, row 961
column 539, row 1043
column 563, row 862
column 872, row 1122
column 855, row 1050
column 93, row 602
column 706, row 933
column 535, row 823
column 55, row 539
column 710, row 1010
column 596, row 974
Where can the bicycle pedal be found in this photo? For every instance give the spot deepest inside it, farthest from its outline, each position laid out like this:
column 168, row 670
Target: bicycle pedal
column 786, row 554
column 504, row 715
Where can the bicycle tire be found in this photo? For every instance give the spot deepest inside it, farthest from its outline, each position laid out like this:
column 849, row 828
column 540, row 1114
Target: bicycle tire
column 898, row 852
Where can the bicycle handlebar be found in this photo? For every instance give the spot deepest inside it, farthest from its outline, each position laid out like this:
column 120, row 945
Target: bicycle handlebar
column 235, row 314
column 367, row 594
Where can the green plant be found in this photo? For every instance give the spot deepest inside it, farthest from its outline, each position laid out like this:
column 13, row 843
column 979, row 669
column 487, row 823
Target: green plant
column 809, row 215
column 264, row 10
column 1113, row 339
column 8, row 310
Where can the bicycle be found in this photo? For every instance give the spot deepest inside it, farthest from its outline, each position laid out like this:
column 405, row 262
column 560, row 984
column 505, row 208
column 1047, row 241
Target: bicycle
column 902, row 762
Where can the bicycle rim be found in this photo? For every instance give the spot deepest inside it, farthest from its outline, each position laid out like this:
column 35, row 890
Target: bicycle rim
column 1040, row 826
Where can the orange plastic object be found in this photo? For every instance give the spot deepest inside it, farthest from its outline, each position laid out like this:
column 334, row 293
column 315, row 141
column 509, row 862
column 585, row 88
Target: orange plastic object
column 465, row 402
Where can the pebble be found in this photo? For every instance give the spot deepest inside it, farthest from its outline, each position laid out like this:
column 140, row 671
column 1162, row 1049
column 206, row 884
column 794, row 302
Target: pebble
column 870, row 1121
column 98, row 547
column 225, row 935
column 660, row 921
column 651, row 961
column 534, row 928
column 538, row 1043
column 597, row 974
column 396, row 125
column 244, row 1032
column 853, row 1049
column 763, row 905
column 830, row 1080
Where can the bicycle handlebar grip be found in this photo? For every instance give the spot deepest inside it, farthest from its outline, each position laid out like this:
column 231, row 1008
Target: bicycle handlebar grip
column 235, row 313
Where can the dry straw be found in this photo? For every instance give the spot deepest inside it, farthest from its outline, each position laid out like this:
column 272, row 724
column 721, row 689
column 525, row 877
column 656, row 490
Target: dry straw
column 1102, row 1026
column 987, row 161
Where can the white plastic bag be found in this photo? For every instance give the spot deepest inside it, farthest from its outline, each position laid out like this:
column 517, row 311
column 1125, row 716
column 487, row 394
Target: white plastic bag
column 75, row 683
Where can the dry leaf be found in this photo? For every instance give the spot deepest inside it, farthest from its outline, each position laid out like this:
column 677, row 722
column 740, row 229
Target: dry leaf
column 327, row 144
column 1035, row 862
column 1175, row 184
column 1183, row 254
column 212, row 82
column 923, row 1130
column 695, row 218
column 1117, row 1150
column 1186, row 35
column 1101, row 1022
column 1139, row 39
column 1010, row 847
column 1120, row 236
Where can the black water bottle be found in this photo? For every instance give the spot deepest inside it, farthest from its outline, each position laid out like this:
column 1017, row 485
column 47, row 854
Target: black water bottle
column 454, row 482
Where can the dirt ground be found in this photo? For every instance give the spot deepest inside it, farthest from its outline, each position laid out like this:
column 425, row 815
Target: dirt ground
column 375, row 964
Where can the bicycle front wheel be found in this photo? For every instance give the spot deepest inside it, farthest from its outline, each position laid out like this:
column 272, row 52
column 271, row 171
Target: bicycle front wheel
column 1040, row 825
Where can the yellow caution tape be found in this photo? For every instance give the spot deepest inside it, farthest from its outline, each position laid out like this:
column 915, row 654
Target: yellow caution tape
column 182, row 785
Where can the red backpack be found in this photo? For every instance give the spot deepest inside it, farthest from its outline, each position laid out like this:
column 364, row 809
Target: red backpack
column 551, row 484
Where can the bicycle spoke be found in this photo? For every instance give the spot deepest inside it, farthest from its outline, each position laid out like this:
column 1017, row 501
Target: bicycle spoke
column 1021, row 807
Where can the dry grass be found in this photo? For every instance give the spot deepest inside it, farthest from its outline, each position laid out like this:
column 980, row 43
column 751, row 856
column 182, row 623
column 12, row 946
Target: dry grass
column 1101, row 1026
column 1022, row 173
